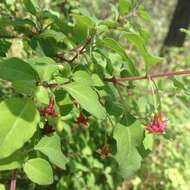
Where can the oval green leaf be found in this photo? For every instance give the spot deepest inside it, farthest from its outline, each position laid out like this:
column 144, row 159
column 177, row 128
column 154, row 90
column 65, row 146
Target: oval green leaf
column 30, row 6
column 87, row 98
column 39, row 171
column 2, row 187
column 44, row 66
column 18, row 124
column 127, row 156
column 13, row 69
column 83, row 77
column 51, row 147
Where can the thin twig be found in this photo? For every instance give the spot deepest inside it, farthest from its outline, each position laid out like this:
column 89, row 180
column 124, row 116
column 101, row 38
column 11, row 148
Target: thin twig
column 119, row 80
column 154, row 76
column 79, row 51
column 131, row 13
column 13, row 180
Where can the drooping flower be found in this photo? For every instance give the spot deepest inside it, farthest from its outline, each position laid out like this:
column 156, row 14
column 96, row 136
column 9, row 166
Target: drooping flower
column 49, row 110
column 82, row 120
column 104, row 152
column 158, row 123
column 47, row 129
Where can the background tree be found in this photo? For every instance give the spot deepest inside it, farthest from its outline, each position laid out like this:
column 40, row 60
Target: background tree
column 181, row 19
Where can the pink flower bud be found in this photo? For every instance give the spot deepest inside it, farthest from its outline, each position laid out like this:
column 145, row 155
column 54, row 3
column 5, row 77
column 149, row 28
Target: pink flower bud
column 158, row 124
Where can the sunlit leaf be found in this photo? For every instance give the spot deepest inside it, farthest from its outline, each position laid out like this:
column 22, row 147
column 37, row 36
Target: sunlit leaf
column 128, row 157
column 18, row 124
column 51, row 147
column 87, row 98
column 39, row 171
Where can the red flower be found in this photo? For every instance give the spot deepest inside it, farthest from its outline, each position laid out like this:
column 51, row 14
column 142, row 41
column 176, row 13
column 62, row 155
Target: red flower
column 104, row 152
column 49, row 110
column 47, row 129
column 82, row 120
column 158, row 124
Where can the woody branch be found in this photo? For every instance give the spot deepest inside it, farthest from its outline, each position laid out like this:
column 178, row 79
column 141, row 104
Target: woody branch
column 13, row 180
column 146, row 77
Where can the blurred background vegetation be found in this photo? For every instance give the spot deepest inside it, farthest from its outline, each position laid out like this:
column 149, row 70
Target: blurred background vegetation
column 168, row 166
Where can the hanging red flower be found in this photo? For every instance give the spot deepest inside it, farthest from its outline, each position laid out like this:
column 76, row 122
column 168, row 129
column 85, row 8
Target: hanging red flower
column 104, row 152
column 47, row 129
column 158, row 124
column 82, row 120
column 49, row 110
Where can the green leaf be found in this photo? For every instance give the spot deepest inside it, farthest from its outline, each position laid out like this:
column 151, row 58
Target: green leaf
column 185, row 31
column 124, row 6
column 58, row 36
column 30, row 6
column 24, row 86
column 115, row 12
column 4, row 46
column 12, row 162
column 39, row 171
column 114, row 45
column 18, row 124
column 117, row 47
column 97, row 80
column 144, row 34
column 44, row 66
column 148, row 141
column 51, row 147
column 84, row 20
column 139, row 43
column 144, row 15
column 49, row 15
column 24, row 23
column 87, row 98
column 127, row 119
column 150, row 59
column 135, row 38
column 16, row 69
column 42, row 95
column 83, row 77
column 177, row 83
column 128, row 139
column 44, row 47
column 2, row 187
column 113, row 108
column 83, row 25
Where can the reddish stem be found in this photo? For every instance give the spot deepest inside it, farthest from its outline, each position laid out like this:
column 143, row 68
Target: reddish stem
column 154, row 76
column 13, row 180
column 78, row 52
